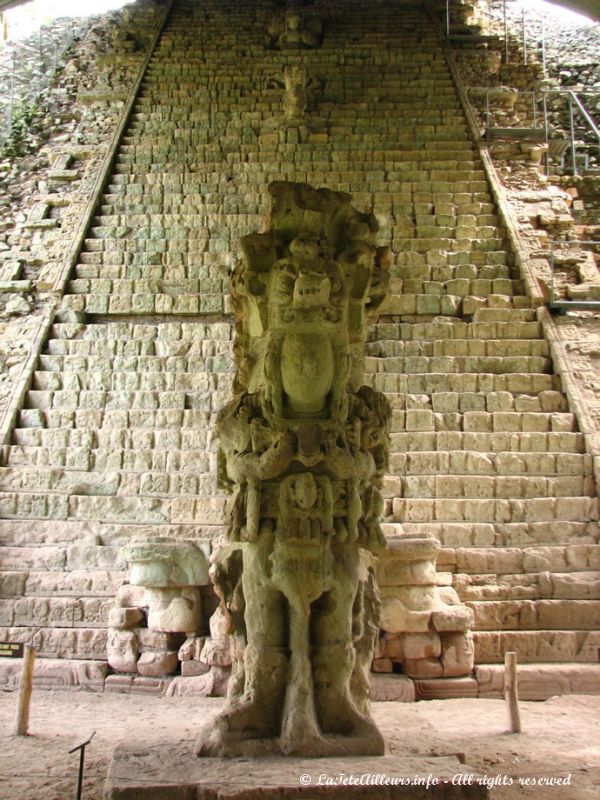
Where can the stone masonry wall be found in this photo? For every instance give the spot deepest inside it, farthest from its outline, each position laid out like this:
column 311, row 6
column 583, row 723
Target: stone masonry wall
column 114, row 439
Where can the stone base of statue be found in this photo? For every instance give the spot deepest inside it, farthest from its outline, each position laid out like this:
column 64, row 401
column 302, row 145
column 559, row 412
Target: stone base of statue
column 169, row 772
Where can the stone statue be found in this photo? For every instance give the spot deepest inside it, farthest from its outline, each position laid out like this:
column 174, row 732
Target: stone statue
column 303, row 448
column 295, row 98
column 290, row 29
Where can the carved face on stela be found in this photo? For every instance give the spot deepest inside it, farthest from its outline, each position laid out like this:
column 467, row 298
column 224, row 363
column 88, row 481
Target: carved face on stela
column 306, row 286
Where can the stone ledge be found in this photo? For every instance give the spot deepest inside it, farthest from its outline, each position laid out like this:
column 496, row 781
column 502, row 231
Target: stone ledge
column 50, row 673
column 540, row 681
column 171, row 772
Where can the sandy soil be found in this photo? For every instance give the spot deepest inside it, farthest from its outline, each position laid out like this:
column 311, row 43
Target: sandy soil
column 561, row 737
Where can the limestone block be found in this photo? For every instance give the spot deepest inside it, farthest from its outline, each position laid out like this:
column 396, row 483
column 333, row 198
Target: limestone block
column 390, row 688
column 396, row 618
column 125, row 617
column 445, row 688
column 158, row 641
column 413, row 598
column 174, row 610
column 212, row 684
column 382, row 665
column 155, row 665
column 452, row 618
column 164, row 563
column 423, row 668
column 457, row 654
column 216, row 652
column 190, row 650
column 391, row 646
column 422, row 645
column 122, row 650
column 12, row 584
column 129, row 596
column 193, row 668
column 540, row 681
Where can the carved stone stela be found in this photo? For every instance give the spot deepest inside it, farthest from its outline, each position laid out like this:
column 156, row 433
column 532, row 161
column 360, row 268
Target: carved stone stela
column 303, row 448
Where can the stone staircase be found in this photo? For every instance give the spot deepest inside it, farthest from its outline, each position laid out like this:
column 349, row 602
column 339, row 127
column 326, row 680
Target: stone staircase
column 115, row 435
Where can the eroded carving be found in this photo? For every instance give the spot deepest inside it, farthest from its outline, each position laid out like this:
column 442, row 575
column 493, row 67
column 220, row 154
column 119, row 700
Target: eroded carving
column 292, row 29
column 303, row 448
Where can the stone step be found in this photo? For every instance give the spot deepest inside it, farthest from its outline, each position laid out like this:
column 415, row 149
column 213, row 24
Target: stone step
column 564, row 558
column 63, row 673
column 146, row 355
column 160, row 185
column 146, row 304
column 535, row 509
column 540, row 681
column 535, row 586
column 423, row 419
column 420, row 441
column 54, row 583
column 447, row 305
column 79, row 643
column 86, row 542
column 440, row 463
column 448, row 328
column 461, row 287
column 456, row 348
column 64, row 558
column 189, row 391
column 139, row 287
column 56, row 612
column 167, row 460
column 162, row 332
column 537, row 646
column 530, row 615
column 132, row 145
column 123, row 509
column 432, row 383
column 482, row 487
column 83, row 428
column 467, row 534
column 117, row 481
column 450, row 364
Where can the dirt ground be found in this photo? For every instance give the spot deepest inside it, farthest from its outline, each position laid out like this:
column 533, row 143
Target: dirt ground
column 561, row 738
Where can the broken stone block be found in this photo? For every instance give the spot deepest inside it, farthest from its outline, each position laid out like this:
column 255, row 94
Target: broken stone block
column 122, row 650
column 125, row 617
column 458, row 654
column 192, row 668
column 174, row 610
column 155, row 665
column 216, row 651
column 162, row 563
column 422, row 645
column 192, row 647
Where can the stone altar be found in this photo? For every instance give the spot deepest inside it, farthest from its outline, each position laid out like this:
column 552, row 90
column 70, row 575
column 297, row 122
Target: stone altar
column 303, row 449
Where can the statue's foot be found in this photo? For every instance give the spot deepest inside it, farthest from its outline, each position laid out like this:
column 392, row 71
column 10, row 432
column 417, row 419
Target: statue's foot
column 237, row 731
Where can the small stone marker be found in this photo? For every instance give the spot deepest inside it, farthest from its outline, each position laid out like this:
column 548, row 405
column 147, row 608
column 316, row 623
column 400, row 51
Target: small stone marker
column 511, row 693
column 22, row 718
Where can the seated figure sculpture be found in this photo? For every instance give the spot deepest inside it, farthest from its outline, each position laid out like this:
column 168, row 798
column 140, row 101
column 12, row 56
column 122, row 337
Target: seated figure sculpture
column 292, row 30
column 303, row 449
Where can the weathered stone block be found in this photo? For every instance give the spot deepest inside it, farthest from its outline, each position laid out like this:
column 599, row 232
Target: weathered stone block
column 155, row 665
column 122, row 650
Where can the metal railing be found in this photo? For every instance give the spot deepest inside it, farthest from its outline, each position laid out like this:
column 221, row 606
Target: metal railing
column 530, row 17
column 569, row 117
column 575, row 109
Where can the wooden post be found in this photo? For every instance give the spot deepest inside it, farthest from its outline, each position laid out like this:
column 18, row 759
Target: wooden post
column 511, row 693
column 22, row 718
